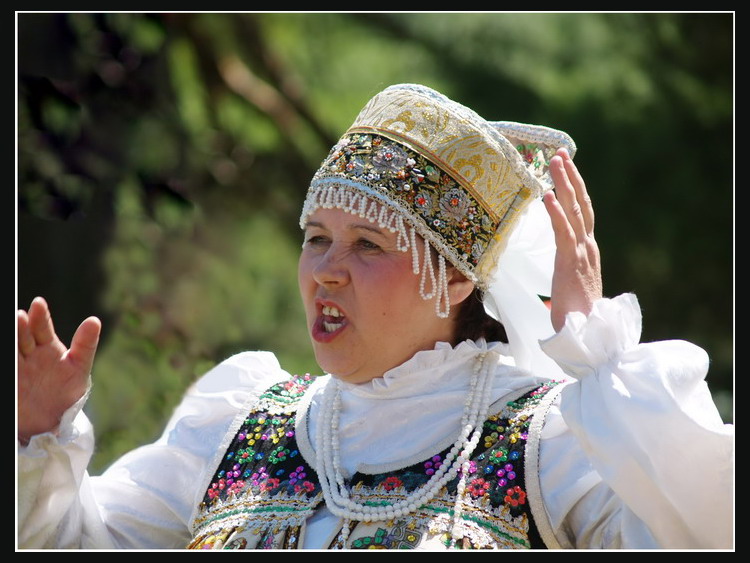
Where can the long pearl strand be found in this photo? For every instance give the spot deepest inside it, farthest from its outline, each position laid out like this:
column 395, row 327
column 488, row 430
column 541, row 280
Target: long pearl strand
column 328, row 461
column 439, row 283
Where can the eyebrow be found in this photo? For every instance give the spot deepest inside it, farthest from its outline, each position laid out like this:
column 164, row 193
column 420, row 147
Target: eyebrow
column 351, row 226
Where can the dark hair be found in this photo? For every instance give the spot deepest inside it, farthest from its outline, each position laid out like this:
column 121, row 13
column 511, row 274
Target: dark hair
column 473, row 322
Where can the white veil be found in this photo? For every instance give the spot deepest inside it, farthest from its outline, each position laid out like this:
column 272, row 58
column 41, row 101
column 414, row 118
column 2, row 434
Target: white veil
column 523, row 274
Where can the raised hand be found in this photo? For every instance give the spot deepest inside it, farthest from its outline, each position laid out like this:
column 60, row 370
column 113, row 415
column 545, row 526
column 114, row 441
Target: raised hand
column 51, row 377
column 577, row 280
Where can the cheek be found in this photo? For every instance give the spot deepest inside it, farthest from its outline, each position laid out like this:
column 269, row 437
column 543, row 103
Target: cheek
column 395, row 293
column 304, row 277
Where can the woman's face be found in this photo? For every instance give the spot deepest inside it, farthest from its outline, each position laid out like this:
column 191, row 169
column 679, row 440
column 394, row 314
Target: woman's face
column 361, row 297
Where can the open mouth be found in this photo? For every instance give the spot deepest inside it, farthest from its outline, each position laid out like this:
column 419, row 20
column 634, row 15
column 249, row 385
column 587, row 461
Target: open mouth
column 333, row 319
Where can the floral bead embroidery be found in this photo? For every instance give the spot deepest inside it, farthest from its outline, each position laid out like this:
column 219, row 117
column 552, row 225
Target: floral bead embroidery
column 259, row 476
column 297, row 474
column 478, row 487
column 418, row 184
column 263, row 457
column 273, row 466
column 515, row 496
column 270, row 484
column 455, row 204
column 390, row 158
column 534, row 157
column 491, row 439
column 391, row 483
column 499, row 455
column 433, row 464
column 278, row 455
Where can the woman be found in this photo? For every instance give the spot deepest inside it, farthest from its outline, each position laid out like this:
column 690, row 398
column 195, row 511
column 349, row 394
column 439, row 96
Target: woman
column 422, row 230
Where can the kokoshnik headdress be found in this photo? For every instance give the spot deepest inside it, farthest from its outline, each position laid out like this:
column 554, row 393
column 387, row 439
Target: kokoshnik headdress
column 418, row 163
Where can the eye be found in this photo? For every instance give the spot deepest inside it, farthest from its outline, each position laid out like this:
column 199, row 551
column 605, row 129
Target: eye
column 316, row 240
column 366, row 244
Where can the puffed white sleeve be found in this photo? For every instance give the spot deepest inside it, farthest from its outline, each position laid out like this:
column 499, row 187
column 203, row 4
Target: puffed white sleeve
column 146, row 498
column 634, row 454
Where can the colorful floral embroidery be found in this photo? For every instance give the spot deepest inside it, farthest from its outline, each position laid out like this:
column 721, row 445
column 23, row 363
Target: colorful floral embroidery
column 515, row 496
column 433, row 464
column 478, row 487
column 279, row 454
column 270, row 484
column 398, row 537
column 491, row 439
column 304, row 487
column 417, row 184
column 263, row 456
column 499, row 455
column 534, row 157
column 286, row 392
column 268, row 491
column 297, row 474
column 391, row 483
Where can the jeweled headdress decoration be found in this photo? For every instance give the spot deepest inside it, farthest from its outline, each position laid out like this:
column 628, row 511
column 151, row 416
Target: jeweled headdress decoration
column 418, row 163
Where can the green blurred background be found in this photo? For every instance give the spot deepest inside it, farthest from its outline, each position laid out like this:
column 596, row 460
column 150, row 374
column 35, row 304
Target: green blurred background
column 163, row 159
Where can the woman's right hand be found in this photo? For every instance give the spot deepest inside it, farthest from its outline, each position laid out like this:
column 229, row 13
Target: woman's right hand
column 51, row 377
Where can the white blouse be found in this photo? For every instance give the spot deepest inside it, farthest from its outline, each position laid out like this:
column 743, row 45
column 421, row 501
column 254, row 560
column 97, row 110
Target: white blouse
column 633, row 453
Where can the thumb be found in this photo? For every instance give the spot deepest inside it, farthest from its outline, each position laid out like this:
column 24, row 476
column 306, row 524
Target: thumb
column 85, row 341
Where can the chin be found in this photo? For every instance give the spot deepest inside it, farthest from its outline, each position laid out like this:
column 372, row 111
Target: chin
column 332, row 364
column 342, row 369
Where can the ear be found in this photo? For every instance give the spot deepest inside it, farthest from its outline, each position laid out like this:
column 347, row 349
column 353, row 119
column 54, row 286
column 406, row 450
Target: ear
column 459, row 286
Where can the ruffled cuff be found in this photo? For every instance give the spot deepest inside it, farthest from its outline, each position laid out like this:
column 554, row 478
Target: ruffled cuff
column 643, row 417
column 68, row 430
column 586, row 342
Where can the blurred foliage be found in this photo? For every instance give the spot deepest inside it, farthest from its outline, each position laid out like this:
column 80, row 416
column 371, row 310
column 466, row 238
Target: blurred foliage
column 163, row 159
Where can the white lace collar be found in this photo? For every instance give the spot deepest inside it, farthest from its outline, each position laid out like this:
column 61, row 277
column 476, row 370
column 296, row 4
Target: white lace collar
column 413, row 411
column 443, row 367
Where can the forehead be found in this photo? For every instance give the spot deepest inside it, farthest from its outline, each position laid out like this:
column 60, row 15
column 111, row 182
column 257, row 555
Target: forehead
column 338, row 219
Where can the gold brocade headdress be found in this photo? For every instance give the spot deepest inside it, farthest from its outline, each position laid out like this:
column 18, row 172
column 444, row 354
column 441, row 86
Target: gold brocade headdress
column 418, row 163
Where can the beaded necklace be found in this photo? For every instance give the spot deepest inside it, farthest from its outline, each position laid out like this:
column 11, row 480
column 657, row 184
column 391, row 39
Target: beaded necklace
column 337, row 496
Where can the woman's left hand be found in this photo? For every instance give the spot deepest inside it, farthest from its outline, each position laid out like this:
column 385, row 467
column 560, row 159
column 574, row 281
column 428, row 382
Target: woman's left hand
column 577, row 279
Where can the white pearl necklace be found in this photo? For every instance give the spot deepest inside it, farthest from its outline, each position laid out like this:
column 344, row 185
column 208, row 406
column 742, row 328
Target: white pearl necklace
column 328, row 461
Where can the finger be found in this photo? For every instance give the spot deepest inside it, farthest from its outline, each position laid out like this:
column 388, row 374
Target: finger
column 26, row 343
column 40, row 322
column 566, row 195
column 581, row 193
column 560, row 225
column 84, row 343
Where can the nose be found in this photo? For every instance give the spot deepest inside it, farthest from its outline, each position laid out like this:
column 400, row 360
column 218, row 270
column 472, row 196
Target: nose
column 331, row 267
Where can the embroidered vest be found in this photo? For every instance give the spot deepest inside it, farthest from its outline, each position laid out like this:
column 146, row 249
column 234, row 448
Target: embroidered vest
column 264, row 491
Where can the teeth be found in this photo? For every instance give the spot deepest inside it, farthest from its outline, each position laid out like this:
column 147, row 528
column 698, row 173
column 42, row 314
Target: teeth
column 331, row 311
